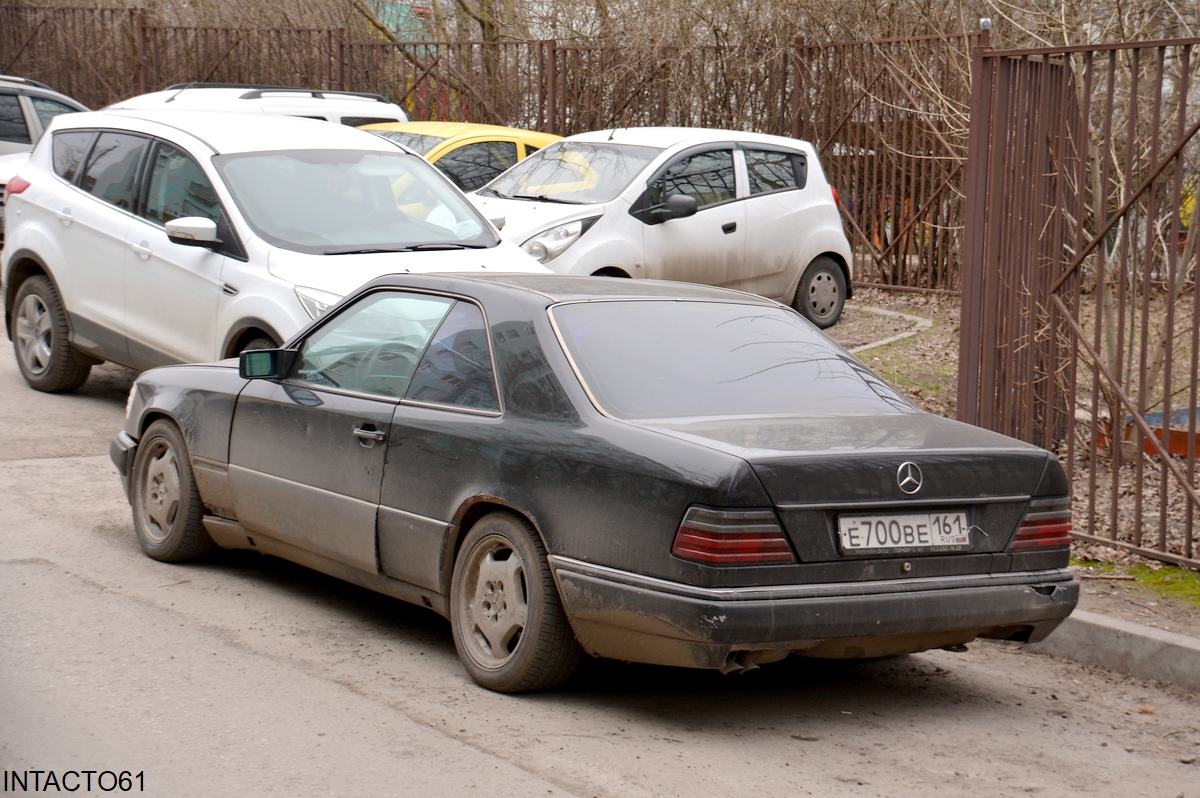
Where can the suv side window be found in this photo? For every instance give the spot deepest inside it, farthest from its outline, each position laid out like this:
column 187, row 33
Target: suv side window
column 12, row 120
column 68, row 150
column 457, row 367
column 112, row 169
column 47, row 109
column 472, row 165
column 178, row 187
column 707, row 176
column 775, row 171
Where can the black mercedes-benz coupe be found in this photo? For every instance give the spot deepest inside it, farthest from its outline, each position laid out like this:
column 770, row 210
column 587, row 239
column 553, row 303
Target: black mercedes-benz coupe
column 650, row 471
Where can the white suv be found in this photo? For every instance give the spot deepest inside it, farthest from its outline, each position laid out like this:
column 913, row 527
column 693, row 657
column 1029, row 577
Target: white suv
column 344, row 107
column 720, row 207
column 164, row 237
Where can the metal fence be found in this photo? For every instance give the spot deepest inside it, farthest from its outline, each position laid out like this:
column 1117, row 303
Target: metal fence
column 890, row 121
column 1080, row 325
column 888, row 117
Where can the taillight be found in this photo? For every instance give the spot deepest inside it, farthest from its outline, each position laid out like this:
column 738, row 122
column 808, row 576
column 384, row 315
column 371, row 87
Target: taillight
column 1047, row 523
column 837, row 199
column 16, row 185
column 731, row 537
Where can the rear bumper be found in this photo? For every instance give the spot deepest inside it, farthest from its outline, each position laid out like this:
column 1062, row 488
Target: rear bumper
column 627, row 616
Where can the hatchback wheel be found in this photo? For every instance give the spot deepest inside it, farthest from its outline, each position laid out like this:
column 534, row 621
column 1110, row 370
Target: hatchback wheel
column 41, row 339
column 166, row 506
column 821, row 294
column 509, row 626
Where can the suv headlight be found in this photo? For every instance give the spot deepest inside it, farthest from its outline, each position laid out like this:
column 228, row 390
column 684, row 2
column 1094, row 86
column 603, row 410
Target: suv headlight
column 315, row 301
column 549, row 244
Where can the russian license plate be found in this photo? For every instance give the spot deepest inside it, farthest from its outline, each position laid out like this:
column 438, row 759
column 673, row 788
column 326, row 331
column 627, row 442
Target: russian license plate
column 911, row 532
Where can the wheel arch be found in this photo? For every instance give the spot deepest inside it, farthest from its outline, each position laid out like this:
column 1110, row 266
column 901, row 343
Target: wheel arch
column 246, row 330
column 612, row 271
column 22, row 265
column 467, row 516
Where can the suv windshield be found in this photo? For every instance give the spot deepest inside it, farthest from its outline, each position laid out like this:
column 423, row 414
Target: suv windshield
column 574, row 172
column 653, row 359
column 343, row 201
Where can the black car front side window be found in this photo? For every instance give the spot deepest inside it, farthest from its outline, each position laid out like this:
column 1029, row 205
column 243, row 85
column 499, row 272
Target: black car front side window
column 178, row 188
column 706, row 176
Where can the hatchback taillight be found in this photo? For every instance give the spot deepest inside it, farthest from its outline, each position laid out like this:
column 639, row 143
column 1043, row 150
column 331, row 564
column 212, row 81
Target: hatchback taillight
column 16, row 185
column 1047, row 524
column 731, row 537
column 837, row 198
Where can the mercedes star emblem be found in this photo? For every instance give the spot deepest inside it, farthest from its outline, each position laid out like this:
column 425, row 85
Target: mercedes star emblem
column 908, row 477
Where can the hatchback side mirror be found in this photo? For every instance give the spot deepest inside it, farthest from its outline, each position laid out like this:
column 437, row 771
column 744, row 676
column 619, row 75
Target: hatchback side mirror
column 270, row 364
column 677, row 206
column 192, row 231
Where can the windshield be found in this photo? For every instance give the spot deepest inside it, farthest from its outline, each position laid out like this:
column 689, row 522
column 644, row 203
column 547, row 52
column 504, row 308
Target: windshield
column 343, row 201
column 658, row 359
column 416, row 142
column 574, row 171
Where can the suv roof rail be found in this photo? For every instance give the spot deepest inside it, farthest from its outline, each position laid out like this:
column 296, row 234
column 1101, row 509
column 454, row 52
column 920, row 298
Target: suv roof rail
column 255, row 91
column 26, row 81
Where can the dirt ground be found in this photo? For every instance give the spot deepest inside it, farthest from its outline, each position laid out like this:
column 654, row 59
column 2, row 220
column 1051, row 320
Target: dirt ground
column 925, row 367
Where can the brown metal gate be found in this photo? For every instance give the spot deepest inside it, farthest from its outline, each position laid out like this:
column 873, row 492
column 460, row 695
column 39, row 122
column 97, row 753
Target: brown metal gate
column 1080, row 325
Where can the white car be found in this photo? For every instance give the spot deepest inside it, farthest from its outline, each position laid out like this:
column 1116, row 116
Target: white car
column 148, row 238
column 344, row 107
column 741, row 210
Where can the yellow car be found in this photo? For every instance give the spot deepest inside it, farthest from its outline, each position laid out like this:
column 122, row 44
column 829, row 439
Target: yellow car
column 469, row 154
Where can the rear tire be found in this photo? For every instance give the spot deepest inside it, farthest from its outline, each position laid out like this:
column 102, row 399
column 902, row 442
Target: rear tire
column 821, row 294
column 509, row 626
column 167, row 513
column 42, row 341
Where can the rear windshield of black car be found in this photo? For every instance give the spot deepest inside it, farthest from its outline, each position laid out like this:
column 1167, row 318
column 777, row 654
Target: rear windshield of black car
column 654, row 359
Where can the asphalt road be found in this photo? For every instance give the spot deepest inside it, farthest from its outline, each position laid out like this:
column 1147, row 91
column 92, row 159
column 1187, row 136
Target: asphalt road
column 249, row 676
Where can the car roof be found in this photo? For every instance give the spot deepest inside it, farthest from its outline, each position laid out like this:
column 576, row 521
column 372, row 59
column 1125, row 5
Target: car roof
column 547, row 289
column 449, row 130
column 256, row 98
column 230, row 131
column 37, row 88
column 666, row 137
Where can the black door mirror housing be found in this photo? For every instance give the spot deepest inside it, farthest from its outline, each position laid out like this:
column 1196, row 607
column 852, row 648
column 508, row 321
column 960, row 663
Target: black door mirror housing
column 676, row 206
column 269, row 364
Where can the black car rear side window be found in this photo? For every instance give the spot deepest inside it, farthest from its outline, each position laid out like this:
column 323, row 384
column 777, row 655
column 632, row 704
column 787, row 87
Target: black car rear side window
column 12, row 120
column 775, row 171
column 457, row 367
column 68, row 150
column 112, row 168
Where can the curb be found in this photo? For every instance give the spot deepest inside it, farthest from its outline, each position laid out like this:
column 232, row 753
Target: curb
column 1129, row 648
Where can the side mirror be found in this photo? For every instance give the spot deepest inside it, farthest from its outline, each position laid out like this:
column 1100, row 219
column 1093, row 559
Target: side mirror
column 192, row 231
column 677, row 206
column 270, row 364
column 499, row 222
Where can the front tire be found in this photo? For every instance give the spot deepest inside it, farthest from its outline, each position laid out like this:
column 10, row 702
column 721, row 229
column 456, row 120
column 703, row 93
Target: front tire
column 41, row 339
column 509, row 626
column 821, row 294
column 167, row 511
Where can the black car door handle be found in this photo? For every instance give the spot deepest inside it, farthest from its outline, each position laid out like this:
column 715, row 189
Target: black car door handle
column 728, row 228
